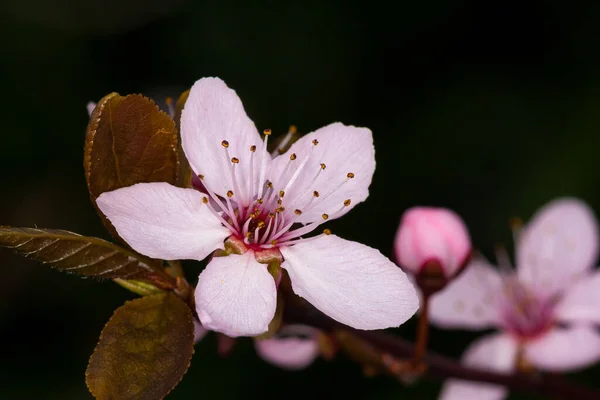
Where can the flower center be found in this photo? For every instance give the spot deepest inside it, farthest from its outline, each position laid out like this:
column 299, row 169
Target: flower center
column 525, row 313
column 264, row 214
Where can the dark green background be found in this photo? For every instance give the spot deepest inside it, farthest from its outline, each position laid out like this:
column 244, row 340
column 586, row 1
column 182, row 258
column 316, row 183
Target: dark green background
column 491, row 110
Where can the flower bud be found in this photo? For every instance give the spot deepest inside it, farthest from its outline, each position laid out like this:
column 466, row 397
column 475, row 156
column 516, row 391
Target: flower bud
column 433, row 244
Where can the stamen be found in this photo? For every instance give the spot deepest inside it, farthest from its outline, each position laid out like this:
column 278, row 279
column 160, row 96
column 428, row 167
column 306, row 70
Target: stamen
column 201, row 177
column 169, row 101
column 315, row 142
column 316, row 194
column 263, row 164
column 281, row 193
column 327, row 231
column 279, row 150
column 347, row 202
column 225, row 144
column 350, row 175
column 253, row 148
column 229, row 193
column 298, row 212
column 216, row 214
column 323, row 166
column 325, row 216
column 235, row 160
column 293, row 156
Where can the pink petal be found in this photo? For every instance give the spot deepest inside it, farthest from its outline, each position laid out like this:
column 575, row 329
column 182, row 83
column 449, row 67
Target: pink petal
column 496, row 352
column 428, row 233
column 352, row 283
column 291, row 353
column 565, row 349
column 581, row 302
column 236, row 296
column 213, row 113
column 199, row 331
column 469, row 301
column 90, row 107
column 559, row 244
column 163, row 221
column 343, row 150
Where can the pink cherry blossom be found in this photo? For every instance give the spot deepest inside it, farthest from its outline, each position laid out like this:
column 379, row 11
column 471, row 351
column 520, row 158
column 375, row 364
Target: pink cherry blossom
column 545, row 310
column 294, row 347
column 267, row 204
column 428, row 234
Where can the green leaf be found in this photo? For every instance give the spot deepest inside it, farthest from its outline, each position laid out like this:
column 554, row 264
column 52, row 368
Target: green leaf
column 82, row 255
column 144, row 350
column 128, row 141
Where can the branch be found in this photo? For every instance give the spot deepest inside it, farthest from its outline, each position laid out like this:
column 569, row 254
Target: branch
column 443, row 367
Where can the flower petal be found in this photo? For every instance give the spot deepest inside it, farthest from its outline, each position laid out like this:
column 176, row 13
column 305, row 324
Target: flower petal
column 213, row 112
column 470, row 300
column 581, row 302
column 352, row 283
column 163, row 221
column 287, row 352
column 342, row 150
column 236, row 296
column 563, row 349
column 90, row 107
column 559, row 244
column 497, row 353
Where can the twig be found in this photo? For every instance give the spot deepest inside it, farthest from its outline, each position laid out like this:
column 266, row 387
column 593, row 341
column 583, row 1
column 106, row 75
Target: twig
column 444, row 367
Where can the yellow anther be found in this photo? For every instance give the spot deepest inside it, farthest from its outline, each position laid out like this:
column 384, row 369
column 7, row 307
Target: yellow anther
column 350, row 175
column 315, row 142
column 225, row 143
column 201, row 177
column 281, row 193
column 280, row 209
column 260, row 201
column 229, row 193
column 325, row 216
column 253, row 148
column 347, row 202
column 327, row 231
column 261, row 224
column 274, row 242
column 267, row 132
column 269, row 185
column 279, row 202
column 293, row 129
column 235, row 160
column 298, row 212
column 293, row 156
column 205, row 200
column 169, row 100
column 271, row 215
column 316, row 194
column 323, row 166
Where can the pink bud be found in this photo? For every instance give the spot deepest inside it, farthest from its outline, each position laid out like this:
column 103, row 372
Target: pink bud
column 432, row 241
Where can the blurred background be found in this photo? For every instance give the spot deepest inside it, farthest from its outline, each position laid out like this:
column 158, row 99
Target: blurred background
column 489, row 109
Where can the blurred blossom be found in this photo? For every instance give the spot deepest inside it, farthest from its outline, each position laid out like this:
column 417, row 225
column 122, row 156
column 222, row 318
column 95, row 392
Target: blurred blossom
column 266, row 205
column 544, row 310
column 432, row 241
column 294, row 347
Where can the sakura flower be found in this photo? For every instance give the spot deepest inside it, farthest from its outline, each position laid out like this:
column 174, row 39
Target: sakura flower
column 265, row 205
column 433, row 244
column 294, row 347
column 544, row 311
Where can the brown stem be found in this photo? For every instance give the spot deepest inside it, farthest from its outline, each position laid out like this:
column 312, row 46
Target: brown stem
column 422, row 331
column 444, row 367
